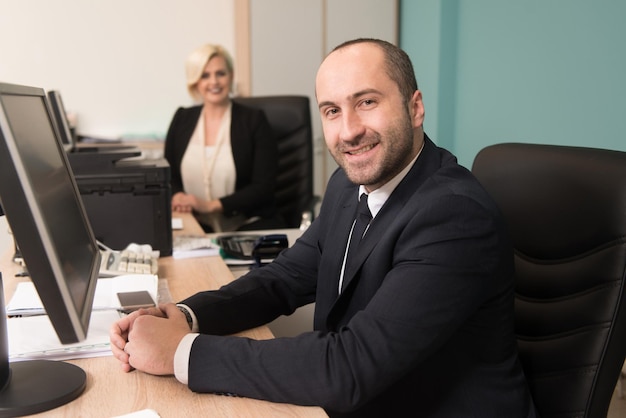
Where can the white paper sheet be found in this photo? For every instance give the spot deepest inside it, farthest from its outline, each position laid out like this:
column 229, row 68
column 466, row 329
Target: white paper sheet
column 33, row 337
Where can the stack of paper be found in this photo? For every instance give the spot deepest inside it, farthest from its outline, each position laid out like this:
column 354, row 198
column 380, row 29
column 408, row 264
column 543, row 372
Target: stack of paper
column 186, row 246
column 32, row 336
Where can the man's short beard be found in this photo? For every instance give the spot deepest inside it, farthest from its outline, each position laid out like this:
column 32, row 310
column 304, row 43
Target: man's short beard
column 399, row 142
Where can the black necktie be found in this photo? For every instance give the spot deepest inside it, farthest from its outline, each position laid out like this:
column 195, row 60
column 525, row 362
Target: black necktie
column 363, row 218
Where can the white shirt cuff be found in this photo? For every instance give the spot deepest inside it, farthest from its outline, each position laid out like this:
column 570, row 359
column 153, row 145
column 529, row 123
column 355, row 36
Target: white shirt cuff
column 181, row 358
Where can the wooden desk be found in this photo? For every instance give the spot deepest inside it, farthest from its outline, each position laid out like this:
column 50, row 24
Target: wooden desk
column 190, row 225
column 111, row 392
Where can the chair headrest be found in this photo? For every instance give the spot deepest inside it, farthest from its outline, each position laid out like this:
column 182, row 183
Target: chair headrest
column 285, row 114
column 573, row 197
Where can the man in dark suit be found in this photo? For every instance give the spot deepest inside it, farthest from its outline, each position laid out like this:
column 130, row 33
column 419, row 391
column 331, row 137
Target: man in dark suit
column 417, row 321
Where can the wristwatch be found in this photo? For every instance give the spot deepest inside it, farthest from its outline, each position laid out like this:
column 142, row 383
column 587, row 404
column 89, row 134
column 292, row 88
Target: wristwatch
column 187, row 315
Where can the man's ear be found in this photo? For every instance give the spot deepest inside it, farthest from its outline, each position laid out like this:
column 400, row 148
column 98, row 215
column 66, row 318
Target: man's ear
column 416, row 106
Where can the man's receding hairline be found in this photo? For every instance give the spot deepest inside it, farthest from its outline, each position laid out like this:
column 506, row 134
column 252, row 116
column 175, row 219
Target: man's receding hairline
column 344, row 47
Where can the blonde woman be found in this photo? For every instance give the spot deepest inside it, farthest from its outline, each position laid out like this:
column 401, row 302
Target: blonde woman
column 222, row 154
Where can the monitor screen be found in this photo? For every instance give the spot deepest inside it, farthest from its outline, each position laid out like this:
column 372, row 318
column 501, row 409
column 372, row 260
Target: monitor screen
column 60, row 119
column 43, row 207
column 45, row 212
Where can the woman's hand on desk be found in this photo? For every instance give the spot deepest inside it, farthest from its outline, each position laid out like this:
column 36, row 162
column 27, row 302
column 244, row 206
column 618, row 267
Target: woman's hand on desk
column 147, row 339
column 183, row 202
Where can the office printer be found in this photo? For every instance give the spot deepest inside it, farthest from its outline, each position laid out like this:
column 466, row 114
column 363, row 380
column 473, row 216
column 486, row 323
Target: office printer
column 126, row 199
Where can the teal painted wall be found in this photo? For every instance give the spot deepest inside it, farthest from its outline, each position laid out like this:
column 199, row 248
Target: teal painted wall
column 543, row 71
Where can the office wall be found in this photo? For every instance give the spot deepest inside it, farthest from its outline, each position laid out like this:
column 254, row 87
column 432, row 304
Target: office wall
column 529, row 71
column 118, row 64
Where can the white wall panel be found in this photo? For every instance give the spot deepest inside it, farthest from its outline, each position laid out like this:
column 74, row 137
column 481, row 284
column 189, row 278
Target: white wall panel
column 118, row 64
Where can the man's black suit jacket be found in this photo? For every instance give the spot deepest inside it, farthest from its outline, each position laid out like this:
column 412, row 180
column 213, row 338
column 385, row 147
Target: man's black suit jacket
column 423, row 328
column 255, row 153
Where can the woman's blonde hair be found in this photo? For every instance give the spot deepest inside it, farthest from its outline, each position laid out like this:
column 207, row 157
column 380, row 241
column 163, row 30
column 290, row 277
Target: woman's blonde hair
column 197, row 60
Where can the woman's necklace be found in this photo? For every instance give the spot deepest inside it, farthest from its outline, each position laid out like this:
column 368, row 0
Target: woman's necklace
column 209, row 166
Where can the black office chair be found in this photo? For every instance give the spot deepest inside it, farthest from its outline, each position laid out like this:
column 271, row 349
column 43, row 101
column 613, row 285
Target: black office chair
column 566, row 210
column 290, row 119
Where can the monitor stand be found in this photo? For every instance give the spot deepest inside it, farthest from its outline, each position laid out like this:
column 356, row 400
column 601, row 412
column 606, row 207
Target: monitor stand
column 32, row 386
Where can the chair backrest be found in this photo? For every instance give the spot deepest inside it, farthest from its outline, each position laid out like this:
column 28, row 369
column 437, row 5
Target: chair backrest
column 566, row 211
column 290, row 119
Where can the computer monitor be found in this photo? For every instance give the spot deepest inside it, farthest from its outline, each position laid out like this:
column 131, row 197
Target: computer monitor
column 88, row 155
column 43, row 207
column 60, row 118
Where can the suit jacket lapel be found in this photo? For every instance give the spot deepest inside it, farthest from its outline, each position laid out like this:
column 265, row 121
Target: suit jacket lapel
column 334, row 248
column 376, row 229
column 427, row 163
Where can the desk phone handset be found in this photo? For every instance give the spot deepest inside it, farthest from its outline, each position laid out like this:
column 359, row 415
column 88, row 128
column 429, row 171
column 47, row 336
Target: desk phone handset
column 268, row 247
column 253, row 247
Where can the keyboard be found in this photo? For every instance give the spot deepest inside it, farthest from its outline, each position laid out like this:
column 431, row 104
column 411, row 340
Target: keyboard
column 134, row 259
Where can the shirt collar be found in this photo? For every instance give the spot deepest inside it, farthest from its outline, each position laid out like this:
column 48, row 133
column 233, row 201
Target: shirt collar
column 377, row 198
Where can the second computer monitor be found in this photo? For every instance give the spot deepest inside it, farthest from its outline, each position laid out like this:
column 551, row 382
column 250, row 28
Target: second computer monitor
column 61, row 121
